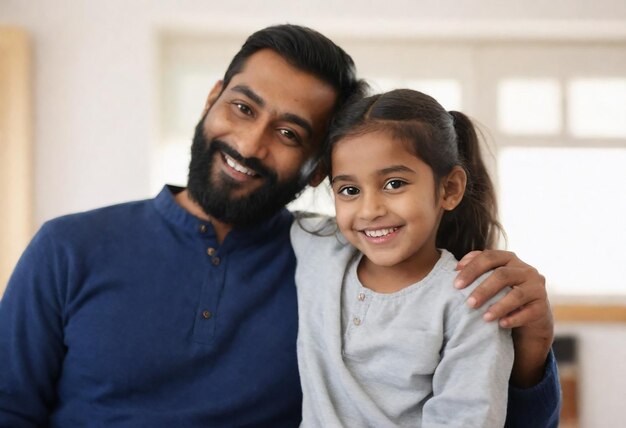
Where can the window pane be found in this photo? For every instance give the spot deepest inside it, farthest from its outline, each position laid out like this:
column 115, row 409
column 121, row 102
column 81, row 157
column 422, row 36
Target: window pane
column 563, row 211
column 597, row 108
column 185, row 94
column 170, row 164
column 529, row 106
column 447, row 92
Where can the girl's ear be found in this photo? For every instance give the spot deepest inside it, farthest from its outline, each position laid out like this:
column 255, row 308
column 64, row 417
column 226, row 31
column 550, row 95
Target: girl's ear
column 453, row 188
column 213, row 95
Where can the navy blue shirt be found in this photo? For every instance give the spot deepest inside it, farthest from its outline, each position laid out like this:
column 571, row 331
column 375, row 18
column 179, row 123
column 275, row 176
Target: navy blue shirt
column 133, row 315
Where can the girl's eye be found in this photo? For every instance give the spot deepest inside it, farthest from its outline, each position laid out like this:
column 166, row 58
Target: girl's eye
column 243, row 108
column 349, row 191
column 394, row 184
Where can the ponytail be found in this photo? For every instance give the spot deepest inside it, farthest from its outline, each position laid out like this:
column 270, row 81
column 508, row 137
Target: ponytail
column 473, row 224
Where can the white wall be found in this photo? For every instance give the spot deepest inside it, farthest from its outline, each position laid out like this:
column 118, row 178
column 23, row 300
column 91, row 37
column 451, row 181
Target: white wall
column 95, row 69
column 96, row 113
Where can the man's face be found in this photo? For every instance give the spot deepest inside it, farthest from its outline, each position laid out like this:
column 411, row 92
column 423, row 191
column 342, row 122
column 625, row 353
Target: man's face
column 250, row 149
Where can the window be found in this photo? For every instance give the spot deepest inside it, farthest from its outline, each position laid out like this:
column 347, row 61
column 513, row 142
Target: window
column 563, row 212
column 529, row 106
column 554, row 114
column 597, row 108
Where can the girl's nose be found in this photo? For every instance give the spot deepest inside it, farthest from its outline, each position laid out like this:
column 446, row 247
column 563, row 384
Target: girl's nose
column 372, row 206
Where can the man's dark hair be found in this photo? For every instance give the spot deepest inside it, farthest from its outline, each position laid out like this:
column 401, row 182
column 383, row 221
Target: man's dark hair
column 307, row 50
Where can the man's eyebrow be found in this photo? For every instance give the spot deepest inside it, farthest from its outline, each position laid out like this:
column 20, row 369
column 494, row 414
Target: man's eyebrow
column 250, row 94
column 301, row 122
column 289, row 117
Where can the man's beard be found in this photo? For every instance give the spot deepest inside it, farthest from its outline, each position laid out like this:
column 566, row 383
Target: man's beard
column 214, row 194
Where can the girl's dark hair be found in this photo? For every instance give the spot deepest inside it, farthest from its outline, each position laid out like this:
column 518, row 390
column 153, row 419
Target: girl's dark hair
column 442, row 140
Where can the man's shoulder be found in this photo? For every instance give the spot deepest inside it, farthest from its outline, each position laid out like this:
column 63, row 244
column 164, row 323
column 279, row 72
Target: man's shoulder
column 101, row 220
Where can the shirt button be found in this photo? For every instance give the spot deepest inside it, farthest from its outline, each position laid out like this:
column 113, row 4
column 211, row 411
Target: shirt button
column 215, row 261
column 206, row 314
column 202, row 228
column 361, row 296
column 356, row 321
column 211, row 251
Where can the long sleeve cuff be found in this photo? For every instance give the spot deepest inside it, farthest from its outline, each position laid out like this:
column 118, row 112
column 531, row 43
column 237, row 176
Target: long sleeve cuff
column 537, row 406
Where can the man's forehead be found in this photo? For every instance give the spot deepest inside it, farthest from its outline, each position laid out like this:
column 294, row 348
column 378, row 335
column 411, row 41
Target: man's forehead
column 269, row 67
column 273, row 83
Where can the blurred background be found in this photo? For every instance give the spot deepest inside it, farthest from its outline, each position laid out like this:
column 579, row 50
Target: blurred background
column 98, row 101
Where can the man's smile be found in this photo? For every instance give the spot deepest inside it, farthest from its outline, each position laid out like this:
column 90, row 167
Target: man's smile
column 232, row 163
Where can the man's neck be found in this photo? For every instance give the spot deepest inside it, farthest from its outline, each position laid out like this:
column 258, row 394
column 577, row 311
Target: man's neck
column 184, row 200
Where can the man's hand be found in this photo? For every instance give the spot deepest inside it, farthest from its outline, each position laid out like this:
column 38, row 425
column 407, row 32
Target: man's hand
column 525, row 308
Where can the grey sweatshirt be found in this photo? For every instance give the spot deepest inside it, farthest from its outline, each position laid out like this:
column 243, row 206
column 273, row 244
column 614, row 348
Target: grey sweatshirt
column 418, row 357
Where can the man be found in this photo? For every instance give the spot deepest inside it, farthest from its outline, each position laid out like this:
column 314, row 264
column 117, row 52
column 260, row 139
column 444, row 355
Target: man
column 181, row 311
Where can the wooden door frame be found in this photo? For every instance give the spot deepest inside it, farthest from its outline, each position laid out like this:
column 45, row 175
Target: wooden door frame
column 16, row 154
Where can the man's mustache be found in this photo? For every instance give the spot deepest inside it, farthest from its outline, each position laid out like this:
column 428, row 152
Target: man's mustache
column 252, row 163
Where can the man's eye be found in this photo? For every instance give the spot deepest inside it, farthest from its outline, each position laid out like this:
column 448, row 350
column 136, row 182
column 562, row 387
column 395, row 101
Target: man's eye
column 394, row 184
column 349, row 191
column 243, row 108
column 290, row 136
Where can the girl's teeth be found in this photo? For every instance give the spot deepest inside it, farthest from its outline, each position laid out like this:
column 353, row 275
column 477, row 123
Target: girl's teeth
column 380, row 232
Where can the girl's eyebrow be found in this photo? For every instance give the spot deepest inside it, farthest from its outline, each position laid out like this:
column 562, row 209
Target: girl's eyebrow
column 341, row 178
column 395, row 168
column 385, row 171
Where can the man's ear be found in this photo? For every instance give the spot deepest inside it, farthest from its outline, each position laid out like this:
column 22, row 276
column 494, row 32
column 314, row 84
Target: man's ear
column 453, row 188
column 213, row 95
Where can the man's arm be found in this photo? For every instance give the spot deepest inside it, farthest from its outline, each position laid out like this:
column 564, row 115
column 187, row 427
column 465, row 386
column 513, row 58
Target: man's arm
column 31, row 337
column 526, row 309
column 537, row 406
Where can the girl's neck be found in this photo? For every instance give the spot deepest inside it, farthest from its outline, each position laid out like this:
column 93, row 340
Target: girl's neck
column 389, row 279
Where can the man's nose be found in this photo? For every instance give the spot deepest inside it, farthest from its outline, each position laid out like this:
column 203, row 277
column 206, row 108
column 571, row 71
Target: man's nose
column 253, row 141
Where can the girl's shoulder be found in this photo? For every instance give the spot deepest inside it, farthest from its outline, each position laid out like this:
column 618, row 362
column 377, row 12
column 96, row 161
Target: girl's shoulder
column 314, row 223
column 316, row 232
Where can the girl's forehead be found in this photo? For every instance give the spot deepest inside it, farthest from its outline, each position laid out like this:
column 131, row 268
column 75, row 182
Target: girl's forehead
column 371, row 152
column 379, row 141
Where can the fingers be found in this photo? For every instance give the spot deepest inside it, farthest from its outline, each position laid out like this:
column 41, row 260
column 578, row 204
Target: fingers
column 526, row 303
column 466, row 259
column 475, row 264
column 526, row 285
column 526, row 315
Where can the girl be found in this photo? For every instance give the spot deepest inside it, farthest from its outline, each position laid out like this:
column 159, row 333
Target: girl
column 384, row 337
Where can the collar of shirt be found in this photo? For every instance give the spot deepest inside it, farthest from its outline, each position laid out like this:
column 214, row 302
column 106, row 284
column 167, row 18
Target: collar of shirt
column 166, row 205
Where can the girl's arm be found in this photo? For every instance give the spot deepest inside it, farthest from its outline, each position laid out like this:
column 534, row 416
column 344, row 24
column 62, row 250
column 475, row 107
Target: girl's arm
column 470, row 383
column 525, row 308
column 534, row 384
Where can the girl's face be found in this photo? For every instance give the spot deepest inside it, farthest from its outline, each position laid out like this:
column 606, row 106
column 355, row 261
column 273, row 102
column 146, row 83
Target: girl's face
column 386, row 202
